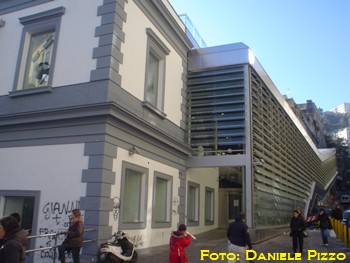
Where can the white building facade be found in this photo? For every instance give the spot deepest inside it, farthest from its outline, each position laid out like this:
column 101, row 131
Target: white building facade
column 342, row 108
column 344, row 134
column 93, row 116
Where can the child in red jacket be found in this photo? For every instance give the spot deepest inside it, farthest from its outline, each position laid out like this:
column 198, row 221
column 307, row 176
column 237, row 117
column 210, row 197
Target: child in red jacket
column 178, row 241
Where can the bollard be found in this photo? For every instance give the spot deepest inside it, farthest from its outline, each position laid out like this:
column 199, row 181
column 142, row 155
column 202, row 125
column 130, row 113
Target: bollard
column 345, row 235
column 348, row 236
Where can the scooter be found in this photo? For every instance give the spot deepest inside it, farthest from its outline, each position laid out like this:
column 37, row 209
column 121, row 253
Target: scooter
column 121, row 249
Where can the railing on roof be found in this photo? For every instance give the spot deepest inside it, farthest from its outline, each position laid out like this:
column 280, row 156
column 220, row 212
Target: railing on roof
column 192, row 30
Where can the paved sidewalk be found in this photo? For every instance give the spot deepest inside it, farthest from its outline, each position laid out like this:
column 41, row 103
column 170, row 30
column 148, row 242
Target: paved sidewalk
column 216, row 242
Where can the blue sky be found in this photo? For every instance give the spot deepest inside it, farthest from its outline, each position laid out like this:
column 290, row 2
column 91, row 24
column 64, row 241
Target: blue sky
column 304, row 45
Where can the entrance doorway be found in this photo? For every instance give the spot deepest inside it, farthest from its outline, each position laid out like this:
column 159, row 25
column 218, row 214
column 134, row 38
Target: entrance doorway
column 230, row 201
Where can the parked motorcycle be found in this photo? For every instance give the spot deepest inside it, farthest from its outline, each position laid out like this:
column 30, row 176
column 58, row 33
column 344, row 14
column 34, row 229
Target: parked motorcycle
column 121, row 249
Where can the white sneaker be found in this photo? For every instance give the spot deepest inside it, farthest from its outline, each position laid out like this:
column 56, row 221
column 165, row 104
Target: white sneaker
column 326, row 245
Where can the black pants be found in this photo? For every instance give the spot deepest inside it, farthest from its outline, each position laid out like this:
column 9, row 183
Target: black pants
column 298, row 241
column 75, row 253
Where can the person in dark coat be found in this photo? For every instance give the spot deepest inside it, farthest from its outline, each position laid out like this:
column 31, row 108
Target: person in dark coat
column 74, row 238
column 178, row 241
column 297, row 227
column 324, row 224
column 337, row 213
column 239, row 237
column 12, row 250
column 21, row 235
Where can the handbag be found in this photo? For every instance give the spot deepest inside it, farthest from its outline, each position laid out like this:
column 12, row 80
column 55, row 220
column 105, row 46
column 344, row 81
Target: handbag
column 332, row 233
column 305, row 233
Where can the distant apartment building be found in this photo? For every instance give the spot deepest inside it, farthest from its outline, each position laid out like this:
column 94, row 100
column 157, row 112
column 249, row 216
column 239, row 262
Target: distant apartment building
column 310, row 116
column 342, row 108
column 344, row 134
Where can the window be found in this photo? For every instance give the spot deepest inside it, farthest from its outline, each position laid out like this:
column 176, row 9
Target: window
column 38, row 47
column 209, row 206
column 152, row 79
column 39, row 60
column 193, row 204
column 133, row 207
column 162, row 195
column 155, row 71
column 26, row 204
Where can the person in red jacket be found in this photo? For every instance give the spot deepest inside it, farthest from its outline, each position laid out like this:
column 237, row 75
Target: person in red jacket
column 178, row 241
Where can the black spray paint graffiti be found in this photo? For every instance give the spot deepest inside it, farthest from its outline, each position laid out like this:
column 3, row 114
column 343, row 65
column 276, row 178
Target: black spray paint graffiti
column 55, row 210
column 175, row 204
column 116, row 207
column 137, row 240
column 56, row 217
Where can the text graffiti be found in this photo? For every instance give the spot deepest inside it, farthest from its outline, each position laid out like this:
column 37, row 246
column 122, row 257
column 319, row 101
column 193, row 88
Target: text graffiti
column 54, row 219
column 55, row 210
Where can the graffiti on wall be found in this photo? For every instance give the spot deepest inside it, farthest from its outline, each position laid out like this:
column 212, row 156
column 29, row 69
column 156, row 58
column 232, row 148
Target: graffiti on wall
column 136, row 240
column 116, row 207
column 175, row 204
column 54, row 218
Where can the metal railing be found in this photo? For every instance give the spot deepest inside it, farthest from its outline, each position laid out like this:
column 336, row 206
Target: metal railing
column 55, row 235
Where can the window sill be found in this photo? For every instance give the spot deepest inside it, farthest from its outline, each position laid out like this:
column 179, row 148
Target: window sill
column 207, row 222
column 150, row 107
column 192, row 223
column 161, row 224
column 31, row 91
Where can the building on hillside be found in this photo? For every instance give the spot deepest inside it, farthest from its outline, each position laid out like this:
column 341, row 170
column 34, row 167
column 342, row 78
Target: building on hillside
column 345, row 135
column 105, row 106
column 310, row 116
column 342, row 108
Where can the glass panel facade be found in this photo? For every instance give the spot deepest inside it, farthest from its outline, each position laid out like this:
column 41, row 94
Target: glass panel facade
column 283, row 181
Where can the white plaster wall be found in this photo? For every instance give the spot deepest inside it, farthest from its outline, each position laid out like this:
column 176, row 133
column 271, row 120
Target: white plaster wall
column 205, row 177
column 55, row 171
column 133, row 68
column 146, row 237
column 76, row 42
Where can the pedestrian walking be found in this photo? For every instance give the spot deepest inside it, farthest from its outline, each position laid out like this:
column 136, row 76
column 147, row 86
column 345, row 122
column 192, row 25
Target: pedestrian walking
column 74, row 238
column 178, row 241
column 297, row 228
column 300, row 212
column 239, row 238
column 324, row 224
column 12, row 250
column 337, row 212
